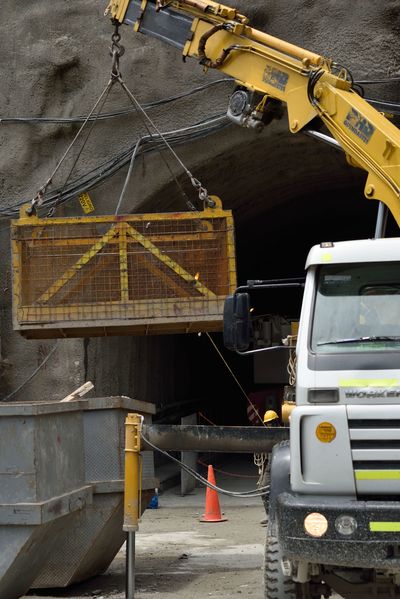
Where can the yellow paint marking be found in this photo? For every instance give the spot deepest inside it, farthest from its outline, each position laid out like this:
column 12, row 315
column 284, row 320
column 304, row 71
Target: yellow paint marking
column 123, row 264
column 169, row 262
column 384, row 526
column 368, row 383
column 83, row 260
column 377, row 474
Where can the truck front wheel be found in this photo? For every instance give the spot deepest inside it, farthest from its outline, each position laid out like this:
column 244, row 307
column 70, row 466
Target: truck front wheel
column 276, row 584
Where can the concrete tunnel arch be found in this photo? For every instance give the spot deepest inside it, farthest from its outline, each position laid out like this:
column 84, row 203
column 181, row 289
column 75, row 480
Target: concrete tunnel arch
column 275, row 177
column 287, row 193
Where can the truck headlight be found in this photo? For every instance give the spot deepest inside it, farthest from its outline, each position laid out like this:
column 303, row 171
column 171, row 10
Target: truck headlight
column 315, row 524
column 323, row 395
column 346, row 525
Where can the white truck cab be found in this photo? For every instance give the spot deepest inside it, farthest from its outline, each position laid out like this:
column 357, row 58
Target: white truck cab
column 348, row 371
column 338, row 519
column 334, row 509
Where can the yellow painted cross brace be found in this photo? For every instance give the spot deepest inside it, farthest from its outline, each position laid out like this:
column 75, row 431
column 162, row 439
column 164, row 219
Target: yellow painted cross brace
column 123, row 229
column 87, row 256
column 148, row 245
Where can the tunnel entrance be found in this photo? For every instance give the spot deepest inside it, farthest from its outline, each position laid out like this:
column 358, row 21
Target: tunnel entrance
column 283, row 201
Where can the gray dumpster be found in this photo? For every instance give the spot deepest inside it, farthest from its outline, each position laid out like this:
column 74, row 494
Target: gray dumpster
column 42, row 486
column 95, row 536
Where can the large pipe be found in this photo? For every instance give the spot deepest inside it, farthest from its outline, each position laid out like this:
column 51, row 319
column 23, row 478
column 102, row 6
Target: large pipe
column 235, row 439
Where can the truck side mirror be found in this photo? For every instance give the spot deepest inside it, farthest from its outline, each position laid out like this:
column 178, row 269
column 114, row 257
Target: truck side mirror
column 237, row 330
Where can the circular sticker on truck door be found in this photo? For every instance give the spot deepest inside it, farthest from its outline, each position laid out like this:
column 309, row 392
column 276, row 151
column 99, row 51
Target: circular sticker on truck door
column 325, row 432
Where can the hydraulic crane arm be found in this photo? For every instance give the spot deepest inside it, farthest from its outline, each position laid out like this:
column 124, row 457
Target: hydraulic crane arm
column 269, row 71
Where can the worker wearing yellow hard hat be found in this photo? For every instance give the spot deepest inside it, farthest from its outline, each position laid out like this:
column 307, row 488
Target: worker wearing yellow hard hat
column 270, row 416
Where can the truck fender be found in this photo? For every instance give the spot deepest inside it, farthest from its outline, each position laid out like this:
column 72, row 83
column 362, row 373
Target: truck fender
column 280, row 475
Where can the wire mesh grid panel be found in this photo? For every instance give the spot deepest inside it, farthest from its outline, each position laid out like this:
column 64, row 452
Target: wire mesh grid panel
column 136, row 274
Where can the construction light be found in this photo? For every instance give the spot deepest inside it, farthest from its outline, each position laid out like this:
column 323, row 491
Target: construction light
column 346, row 525
column 315, row 524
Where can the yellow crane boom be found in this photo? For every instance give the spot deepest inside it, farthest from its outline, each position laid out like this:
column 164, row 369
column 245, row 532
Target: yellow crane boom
column 270, row 71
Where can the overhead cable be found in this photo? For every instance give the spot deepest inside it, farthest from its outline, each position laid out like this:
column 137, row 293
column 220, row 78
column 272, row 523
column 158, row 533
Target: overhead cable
column 376, row 81
column 98, row 174
column 116, row 113
column 259, row 492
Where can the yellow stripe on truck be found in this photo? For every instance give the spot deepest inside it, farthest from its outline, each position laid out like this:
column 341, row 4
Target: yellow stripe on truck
column 377, row 474
column 368, row 383
column 384, row 526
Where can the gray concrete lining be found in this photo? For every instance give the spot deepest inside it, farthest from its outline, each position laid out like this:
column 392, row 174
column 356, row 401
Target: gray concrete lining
column 55, row 62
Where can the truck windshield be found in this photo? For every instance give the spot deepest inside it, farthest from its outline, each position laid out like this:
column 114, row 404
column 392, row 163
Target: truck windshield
column 357, row 308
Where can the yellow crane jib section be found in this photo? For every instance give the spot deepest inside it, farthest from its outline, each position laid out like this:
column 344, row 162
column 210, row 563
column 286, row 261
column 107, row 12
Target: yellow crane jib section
column 309, row 84
column 133, row 475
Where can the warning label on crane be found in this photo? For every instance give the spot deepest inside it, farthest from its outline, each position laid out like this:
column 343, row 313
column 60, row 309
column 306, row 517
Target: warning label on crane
column 86, row 203
column 275, row 77
column 359, row 125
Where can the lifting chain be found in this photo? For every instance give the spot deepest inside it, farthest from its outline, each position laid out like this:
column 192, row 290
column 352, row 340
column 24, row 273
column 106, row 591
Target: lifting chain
column 116, row 51
column 260, row 460
column 203, row 193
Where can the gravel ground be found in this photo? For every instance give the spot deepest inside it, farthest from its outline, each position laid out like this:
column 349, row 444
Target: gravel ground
column 178, row 555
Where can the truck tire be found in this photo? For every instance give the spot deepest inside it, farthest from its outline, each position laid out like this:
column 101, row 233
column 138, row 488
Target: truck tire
column 276, row 584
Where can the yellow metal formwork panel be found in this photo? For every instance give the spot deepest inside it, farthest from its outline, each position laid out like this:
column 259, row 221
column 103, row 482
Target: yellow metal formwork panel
column 129, row 274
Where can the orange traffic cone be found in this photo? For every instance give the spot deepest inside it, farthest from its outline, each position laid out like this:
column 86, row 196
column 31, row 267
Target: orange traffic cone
column 212, row 511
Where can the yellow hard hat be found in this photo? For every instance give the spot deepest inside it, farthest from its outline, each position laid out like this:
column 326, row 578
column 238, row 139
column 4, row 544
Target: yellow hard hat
column 270, row 415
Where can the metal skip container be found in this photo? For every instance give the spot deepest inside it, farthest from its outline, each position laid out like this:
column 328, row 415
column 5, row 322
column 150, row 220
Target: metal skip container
column 95, row 536
column 42, row 486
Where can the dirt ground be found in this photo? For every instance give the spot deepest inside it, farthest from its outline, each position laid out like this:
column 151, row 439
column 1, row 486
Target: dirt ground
column 178, row 555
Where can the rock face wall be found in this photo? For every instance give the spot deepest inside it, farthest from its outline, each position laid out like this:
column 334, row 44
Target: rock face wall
column 56, row 63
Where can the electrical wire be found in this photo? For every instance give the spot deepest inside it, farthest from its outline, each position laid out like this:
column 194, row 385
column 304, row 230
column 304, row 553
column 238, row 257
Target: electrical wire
column 150, row 126
column 260, row 492
column 30, row 377
column 39, row 197
column 376, row 81
column 384, row 106
column 114, row 114
column 235, row 379
column 98, row 174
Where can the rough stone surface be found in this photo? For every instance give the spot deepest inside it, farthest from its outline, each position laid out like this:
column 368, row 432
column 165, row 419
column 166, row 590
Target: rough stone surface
column 286, row 191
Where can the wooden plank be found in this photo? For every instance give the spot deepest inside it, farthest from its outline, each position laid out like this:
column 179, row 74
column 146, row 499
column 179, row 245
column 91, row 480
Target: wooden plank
column 80, row 392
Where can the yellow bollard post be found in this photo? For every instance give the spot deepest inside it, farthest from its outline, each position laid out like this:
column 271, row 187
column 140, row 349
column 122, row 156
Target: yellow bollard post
column 132, row 495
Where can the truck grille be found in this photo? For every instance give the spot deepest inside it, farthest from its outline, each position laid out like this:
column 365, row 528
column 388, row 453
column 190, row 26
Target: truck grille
column 375, row 448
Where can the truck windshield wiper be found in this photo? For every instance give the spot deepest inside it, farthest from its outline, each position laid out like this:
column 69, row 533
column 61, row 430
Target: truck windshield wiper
column 362, row 339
